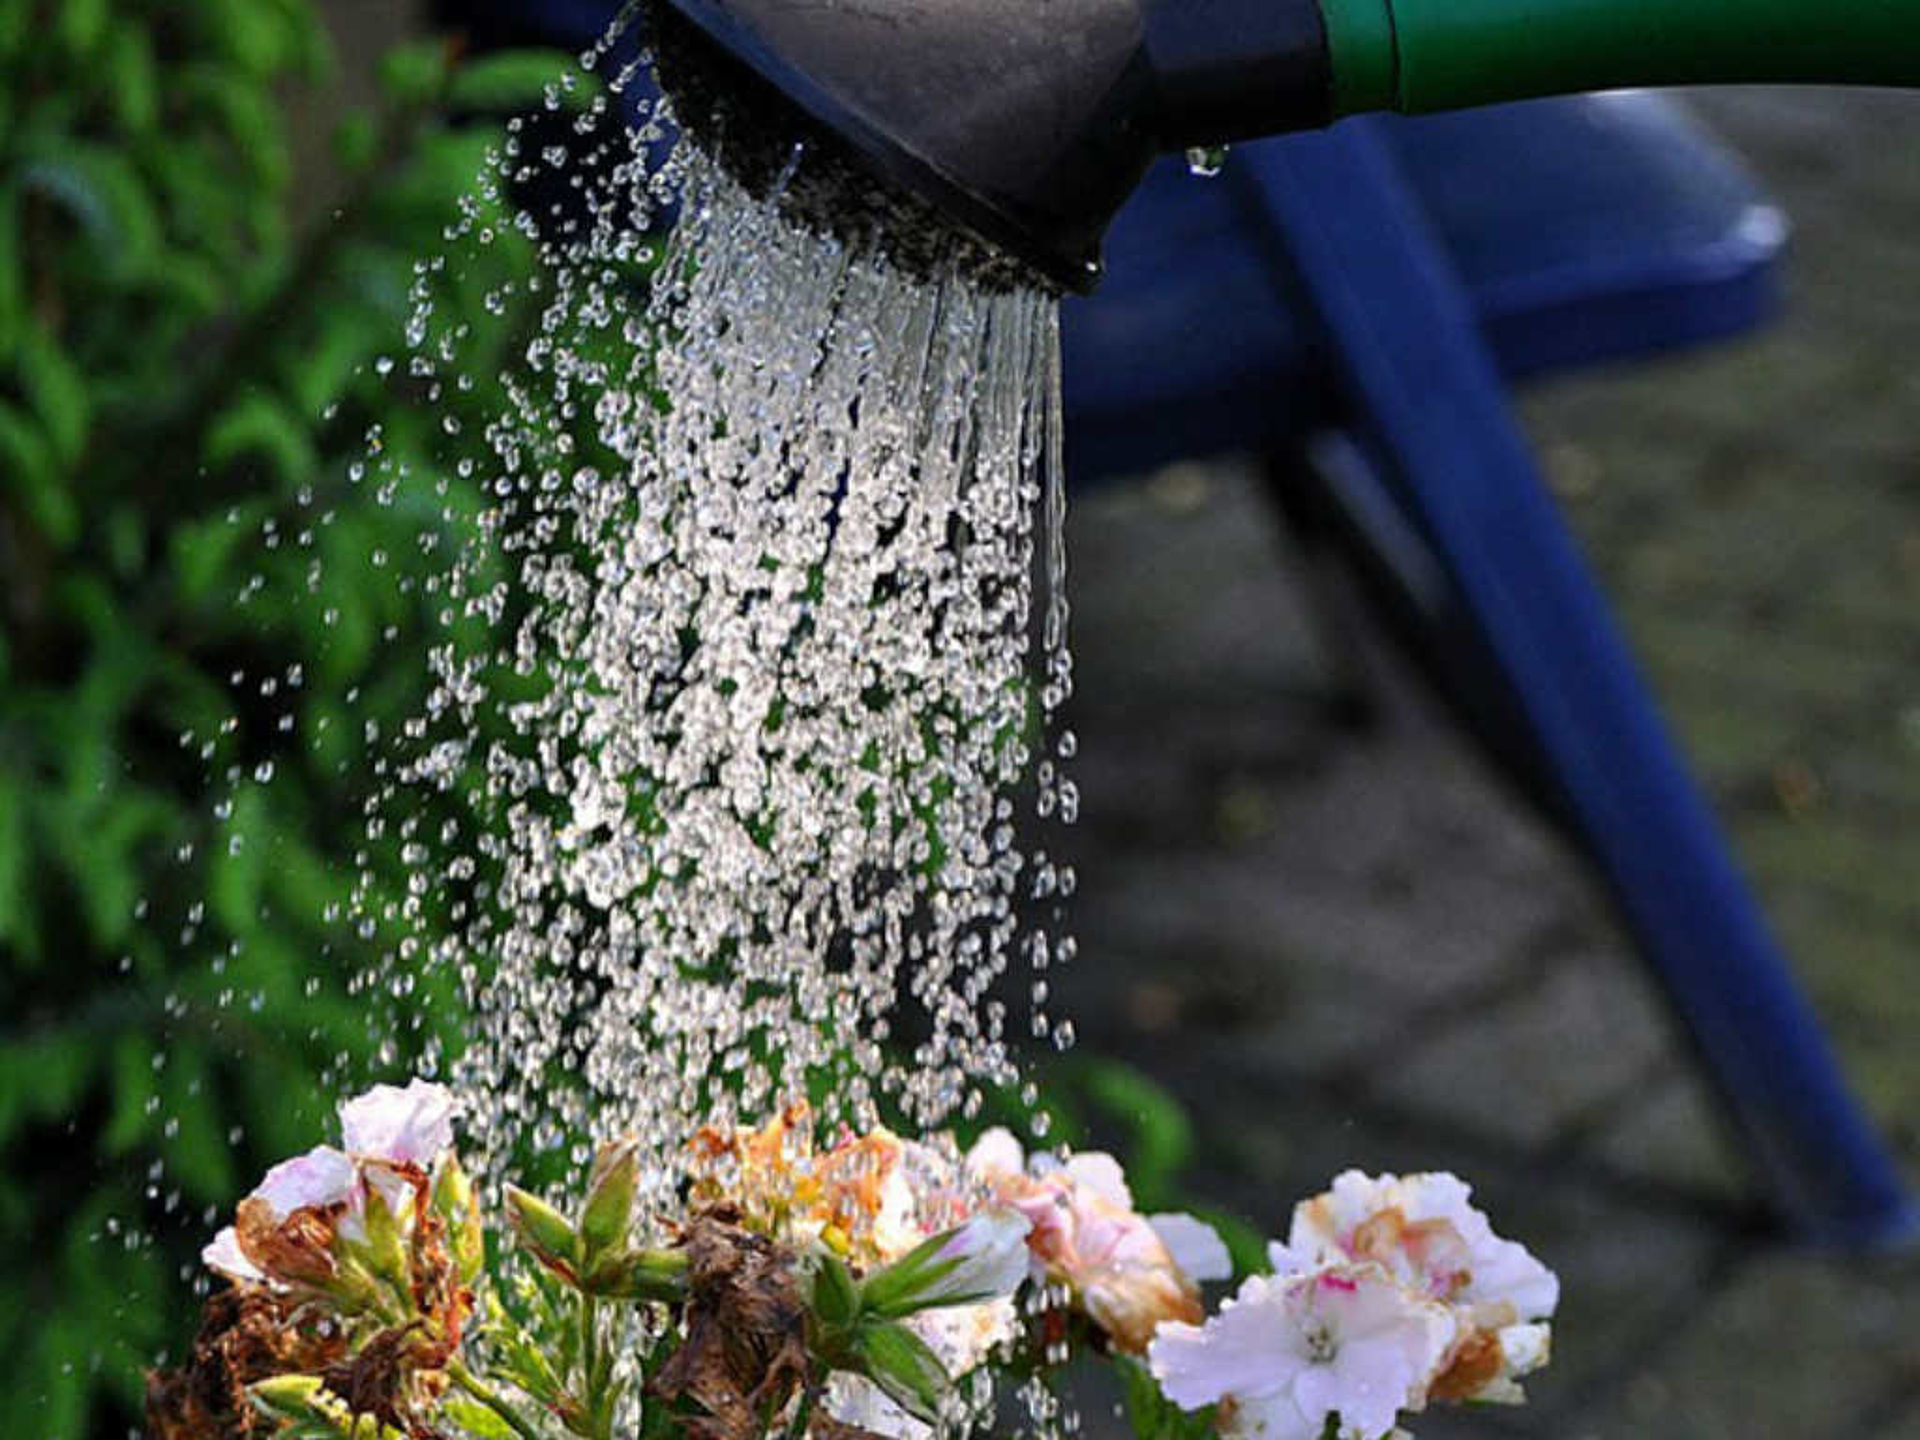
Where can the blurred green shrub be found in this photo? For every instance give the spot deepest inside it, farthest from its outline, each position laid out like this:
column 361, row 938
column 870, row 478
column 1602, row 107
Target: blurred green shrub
column 186, row 376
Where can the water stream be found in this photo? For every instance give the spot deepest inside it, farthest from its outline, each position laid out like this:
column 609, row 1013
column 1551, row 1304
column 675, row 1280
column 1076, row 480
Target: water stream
column 743, row 751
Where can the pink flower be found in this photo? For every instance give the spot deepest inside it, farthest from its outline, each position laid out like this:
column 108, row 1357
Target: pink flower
column 1087, row 1235
column 1288, row 1351
column 393, row 1137
column 413, row 1126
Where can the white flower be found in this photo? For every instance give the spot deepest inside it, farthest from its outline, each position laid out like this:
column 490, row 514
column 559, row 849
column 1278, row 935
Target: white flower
column 1288, row 1351
column 1425, row 1232
column 989, row 1257
column 224, row 1256
column 413, row 1126
column 323, row 1176
column 386, row 1131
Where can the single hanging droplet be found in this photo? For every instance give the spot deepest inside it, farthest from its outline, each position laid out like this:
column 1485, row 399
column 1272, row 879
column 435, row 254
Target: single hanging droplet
column 1206, row 161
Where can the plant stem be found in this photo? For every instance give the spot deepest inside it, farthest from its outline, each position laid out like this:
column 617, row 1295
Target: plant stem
column 803, row 1412
column 488, row 1397
column 592, row 1389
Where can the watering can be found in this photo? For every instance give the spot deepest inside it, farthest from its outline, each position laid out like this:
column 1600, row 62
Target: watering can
column 1030, row 122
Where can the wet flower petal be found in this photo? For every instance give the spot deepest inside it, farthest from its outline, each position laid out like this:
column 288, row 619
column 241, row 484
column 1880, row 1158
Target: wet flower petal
column 406, row 1126
column 223, row 1255
column 1196, row 1246
column 323, row 1176
column 1288, row 1351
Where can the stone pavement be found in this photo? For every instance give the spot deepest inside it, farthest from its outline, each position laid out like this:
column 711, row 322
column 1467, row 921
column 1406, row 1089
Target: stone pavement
column 1357, row 948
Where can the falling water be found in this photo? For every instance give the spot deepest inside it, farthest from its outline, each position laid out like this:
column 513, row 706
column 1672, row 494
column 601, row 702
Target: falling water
column 734, row 782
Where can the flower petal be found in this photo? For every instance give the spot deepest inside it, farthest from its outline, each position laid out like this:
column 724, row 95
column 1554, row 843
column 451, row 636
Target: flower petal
column 323, row 1176
column 223, row 1255
column 1196, row 1246
column 1099, row 1172
column 410, row 1126
column 1243, row 1351
column 996, row 1153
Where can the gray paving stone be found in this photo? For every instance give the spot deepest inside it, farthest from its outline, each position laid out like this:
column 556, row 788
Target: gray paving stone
column 1797, row 1348
column 1543, row 1060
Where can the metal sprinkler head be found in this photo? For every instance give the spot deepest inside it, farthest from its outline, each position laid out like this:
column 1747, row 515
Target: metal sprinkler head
column 1025, row 122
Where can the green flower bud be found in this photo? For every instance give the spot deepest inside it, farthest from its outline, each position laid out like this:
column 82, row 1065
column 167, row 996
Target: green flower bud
column 609, row 1207
column 385, row 1249
column 290, row 1397
column 546, row 1232
column 453, row 1201
column 657, row 1275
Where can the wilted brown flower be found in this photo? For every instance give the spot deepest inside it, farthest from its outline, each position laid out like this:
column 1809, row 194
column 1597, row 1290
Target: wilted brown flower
column 295, row 1249
column 246, row 1334
column 393, row 1378
column 745, row 1352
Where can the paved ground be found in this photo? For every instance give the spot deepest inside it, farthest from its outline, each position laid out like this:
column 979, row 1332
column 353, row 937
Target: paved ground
column 1343, row 948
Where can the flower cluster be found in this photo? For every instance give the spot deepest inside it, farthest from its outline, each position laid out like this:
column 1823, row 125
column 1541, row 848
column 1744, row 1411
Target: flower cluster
column 1388, row 1293
column 840, row 1290
column 354, row 1269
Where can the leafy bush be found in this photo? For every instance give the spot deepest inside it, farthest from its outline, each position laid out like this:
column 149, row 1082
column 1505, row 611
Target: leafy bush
column 186, row 378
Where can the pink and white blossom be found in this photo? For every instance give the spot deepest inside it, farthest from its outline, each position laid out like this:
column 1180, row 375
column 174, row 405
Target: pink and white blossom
column 1288, row 1351
column 410, row 1126
column 387, row 1133
column 1087, row 1235
column 320, row 1179
column 1425, row 1232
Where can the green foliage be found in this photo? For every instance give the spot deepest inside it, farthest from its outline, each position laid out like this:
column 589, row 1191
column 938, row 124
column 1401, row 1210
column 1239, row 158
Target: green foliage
column 187, row 374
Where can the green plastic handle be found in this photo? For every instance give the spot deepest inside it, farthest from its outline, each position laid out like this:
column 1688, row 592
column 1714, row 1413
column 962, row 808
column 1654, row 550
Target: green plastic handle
column 1418, row 56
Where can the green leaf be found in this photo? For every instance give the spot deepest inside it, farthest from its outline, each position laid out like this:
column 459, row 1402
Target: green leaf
column 81, row 24
column 247, row 117
column 31, row 474
column 413, row 74
column 13, row 290
column 259, row 423
column 318, row 370
column 836, row 1298
column 102, row 190
column 196, row 1151
column 57, row 393
column 512, row 80
column 201, row 553
column 16, row 912
column 249, row 33
column 133, row 1087
column 902, row 1364
column 129, row 76
column 355, row 139
column 476, row 1419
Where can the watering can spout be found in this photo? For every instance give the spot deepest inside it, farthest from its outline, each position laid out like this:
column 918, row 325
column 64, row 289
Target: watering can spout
column 1029, row 122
